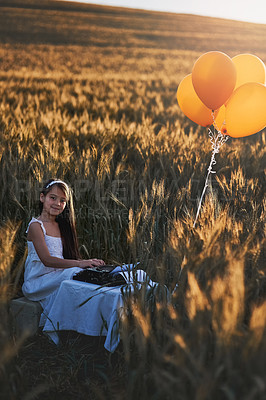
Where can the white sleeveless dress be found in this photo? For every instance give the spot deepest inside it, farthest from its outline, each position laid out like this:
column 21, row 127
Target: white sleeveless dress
column 40, row 282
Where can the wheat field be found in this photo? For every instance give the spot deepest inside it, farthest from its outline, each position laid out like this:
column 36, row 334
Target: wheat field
column 88, row 95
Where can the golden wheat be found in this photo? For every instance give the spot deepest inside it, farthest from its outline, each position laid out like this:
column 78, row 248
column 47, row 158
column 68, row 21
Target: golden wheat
column 98, row 109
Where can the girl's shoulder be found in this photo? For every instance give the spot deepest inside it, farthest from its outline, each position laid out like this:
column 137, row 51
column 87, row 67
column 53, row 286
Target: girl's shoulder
column 33, row 221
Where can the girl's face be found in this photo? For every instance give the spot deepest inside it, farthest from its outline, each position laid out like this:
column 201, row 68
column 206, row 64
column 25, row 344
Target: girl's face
column 54, row 201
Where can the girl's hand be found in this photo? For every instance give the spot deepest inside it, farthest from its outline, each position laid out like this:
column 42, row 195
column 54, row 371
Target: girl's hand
column 93, row 262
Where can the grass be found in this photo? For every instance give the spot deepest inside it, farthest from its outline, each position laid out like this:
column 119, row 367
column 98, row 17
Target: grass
column 88, row 94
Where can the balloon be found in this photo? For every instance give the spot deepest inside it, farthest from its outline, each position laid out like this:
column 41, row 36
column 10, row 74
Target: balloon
column 214, row 78
column 249, row 68
column 220, row 122
column 246, row 110
column 191, row 105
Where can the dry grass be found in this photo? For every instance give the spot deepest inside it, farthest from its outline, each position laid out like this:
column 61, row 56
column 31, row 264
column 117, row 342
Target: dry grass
column 88, row 94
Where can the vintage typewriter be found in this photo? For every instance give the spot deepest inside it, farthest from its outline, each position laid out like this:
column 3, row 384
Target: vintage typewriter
column 101, row 275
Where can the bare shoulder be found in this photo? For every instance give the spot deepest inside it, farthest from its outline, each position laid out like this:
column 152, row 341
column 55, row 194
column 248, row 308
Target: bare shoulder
column 35, row 230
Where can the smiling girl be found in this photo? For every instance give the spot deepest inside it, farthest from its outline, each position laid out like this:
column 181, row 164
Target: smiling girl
column 53, row 254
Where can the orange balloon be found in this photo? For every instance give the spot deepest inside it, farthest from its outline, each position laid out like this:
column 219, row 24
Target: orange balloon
column 191, row 105
column 220, row 123
column 246, row 110
column 249, row 68
column 214, row 78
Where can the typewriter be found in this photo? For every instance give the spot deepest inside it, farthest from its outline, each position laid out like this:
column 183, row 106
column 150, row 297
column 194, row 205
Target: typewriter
column 101, row 275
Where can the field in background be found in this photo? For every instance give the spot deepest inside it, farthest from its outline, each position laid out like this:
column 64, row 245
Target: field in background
column 88, row 94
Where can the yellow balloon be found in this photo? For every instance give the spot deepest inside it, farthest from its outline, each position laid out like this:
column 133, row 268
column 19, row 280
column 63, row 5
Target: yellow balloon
column 214, row 78
column 191, row 105
column 246, row 110
column 249, row 68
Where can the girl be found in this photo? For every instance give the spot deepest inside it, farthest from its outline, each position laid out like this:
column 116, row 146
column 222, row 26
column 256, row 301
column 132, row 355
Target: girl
column 53, row 254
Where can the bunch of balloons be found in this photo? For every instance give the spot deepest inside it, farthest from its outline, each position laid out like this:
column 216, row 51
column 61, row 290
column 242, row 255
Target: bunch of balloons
column 228, row 93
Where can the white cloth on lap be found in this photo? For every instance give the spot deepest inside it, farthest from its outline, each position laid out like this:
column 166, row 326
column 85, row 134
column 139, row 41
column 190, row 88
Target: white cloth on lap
column 97, row 317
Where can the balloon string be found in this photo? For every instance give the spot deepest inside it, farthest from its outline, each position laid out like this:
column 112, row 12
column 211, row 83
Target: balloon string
column 217, row 140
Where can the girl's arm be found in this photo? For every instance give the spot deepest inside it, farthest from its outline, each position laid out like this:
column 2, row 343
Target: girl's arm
column 35, row 234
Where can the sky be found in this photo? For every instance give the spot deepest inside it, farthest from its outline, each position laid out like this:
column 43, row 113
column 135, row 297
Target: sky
column 243, row 10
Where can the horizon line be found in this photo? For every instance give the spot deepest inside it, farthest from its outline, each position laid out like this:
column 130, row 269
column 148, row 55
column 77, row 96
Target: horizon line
column 90, row 2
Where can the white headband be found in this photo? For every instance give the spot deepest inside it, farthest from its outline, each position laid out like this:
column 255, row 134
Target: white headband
column 54, row 182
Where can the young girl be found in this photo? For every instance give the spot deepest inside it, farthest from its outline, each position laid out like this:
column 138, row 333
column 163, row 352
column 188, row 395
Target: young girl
column 53, row 254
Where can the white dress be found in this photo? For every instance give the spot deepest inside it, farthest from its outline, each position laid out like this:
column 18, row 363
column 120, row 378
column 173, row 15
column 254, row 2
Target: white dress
column 40, row 282
column 43, row 284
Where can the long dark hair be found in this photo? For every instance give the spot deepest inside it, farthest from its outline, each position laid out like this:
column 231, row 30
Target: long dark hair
column 66, row 220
